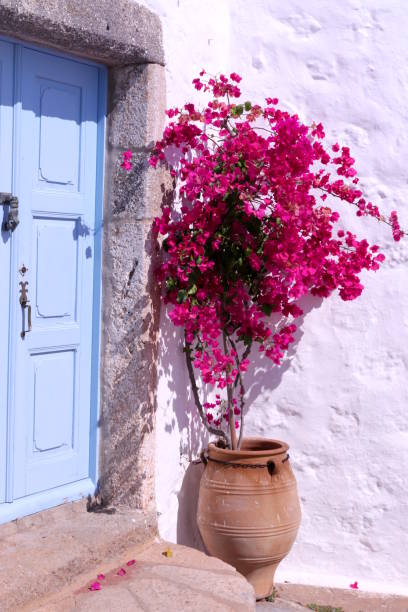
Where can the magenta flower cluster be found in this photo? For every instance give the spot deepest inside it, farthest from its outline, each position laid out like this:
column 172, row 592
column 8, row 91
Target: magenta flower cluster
column 254, row 231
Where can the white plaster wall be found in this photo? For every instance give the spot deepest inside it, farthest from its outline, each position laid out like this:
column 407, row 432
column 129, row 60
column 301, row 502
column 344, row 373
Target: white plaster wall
column 342, row 400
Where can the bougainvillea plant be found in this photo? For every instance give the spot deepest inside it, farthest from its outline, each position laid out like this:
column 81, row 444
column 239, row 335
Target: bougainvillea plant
column 252, row 233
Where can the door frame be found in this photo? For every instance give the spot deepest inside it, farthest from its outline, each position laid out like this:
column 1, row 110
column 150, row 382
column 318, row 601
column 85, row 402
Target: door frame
column 33, row 503
column 127, row 38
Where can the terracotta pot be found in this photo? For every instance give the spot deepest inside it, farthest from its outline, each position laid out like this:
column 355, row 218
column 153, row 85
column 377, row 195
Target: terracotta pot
column 249, row 516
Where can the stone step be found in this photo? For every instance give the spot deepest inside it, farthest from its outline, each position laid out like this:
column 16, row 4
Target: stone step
column 183, row 580
column 43, row 553
column 49, row 560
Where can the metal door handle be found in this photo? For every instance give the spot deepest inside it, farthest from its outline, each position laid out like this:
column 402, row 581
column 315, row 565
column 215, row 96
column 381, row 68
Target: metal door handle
column 29, row 316
column 25, row 303
column 7, row 199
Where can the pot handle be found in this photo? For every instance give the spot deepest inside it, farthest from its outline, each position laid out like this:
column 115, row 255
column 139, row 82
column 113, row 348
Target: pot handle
column 203, row 457
column 271, row 467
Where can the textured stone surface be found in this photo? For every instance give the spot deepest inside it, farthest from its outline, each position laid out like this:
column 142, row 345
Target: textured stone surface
column 347, row 599
column 188, row 580
column 341, row 401
column 43, row 553
column 116, row 33
column 279, row 605
column 131, row 306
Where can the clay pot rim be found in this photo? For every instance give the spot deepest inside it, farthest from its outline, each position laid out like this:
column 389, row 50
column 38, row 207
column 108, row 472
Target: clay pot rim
column 276, row 447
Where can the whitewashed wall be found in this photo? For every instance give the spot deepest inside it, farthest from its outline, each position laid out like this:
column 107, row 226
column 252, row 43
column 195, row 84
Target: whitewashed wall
column 342, row 400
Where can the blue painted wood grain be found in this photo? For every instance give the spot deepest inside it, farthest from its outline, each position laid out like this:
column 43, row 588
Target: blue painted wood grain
column 6, row 147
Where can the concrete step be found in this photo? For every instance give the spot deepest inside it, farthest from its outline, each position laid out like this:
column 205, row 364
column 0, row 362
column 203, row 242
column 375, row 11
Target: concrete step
column 183, row 580
column 43, row 553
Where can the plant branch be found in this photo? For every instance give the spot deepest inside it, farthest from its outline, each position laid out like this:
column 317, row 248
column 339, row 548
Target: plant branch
column 241, row 390
column 190, row 368
column 231, row 419
column 381, row 220
column 246, row 352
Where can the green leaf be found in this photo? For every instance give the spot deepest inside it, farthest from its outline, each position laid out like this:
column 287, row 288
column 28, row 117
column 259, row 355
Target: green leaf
column 246, row 339
column 267, row 309
column 171, row 283
column 181, row 296
column 248, row 105
column 237, row 110
column 192, row 290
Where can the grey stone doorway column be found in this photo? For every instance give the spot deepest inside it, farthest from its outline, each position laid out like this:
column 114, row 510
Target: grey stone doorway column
column 126, row 38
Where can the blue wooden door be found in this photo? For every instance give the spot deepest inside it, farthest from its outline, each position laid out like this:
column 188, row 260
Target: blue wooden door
column 54, row 317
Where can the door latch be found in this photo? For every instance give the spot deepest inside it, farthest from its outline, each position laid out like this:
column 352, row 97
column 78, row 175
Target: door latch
column 8, row 199
column 25, row 303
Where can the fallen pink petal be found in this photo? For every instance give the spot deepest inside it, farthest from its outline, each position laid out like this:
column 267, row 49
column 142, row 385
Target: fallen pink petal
column 131, row 562
column 101, row 576
column 354, row 585
column 95, row 586
column 121, row 572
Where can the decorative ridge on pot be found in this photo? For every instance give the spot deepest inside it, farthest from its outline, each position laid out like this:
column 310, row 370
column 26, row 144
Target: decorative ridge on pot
column 270, row 448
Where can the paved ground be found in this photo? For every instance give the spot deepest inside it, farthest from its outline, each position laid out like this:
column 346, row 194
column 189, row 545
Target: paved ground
column 42, row 553
column 280, row 605
column 291, row 597
column 185, row 580
column 49, row 561
column 348, row 600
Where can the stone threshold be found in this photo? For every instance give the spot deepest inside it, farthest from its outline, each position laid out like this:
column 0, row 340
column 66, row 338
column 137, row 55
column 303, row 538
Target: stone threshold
column 43, row 553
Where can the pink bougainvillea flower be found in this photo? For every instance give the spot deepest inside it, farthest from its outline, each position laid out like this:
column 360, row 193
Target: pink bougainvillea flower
column 354, row 585
column 101, row 576
column 121, row 572
column 126, row 160
column 95, row 586
column 126, row 165
column 131, row 562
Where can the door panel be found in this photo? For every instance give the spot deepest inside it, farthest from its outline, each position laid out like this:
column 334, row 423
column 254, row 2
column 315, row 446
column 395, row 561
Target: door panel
column 6, row 148
column 53, row 376
column 58, row 154
column 59, row 144
column 56, row 144
column 56, row 288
